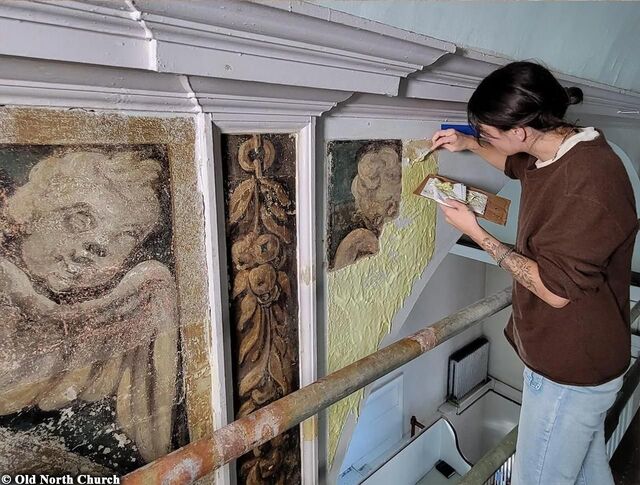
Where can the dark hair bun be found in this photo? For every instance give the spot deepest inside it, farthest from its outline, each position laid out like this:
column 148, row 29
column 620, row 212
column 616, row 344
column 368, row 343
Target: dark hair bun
column 575, row 95
column 521, row 94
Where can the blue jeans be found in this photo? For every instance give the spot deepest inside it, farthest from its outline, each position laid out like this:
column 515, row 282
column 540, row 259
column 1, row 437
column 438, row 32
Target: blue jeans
column 561, row 433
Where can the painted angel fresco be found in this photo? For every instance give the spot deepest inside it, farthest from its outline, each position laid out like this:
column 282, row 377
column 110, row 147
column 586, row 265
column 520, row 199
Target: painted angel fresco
column 374, row 197
column 85, row 315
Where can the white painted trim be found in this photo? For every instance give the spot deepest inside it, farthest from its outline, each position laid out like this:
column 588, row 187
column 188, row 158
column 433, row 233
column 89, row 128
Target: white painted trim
column 211, row 188
column 305, row 233
column 453, row 78
column 635, row 346
column 260, row 125
column 234, row 103
column 606, row 101
column 506, row 390
column 307, row 324
column 627, row 414
column 337, row 17
column 37, row 82
column 372, row 106
column 382, row 408
column 287, row 43
column 250, row 41
column 93, row 33
column 302, row 45
column 30, row 82
column 244, row 106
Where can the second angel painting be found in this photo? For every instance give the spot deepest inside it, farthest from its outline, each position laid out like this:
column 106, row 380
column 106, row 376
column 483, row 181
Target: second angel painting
column 364, row 193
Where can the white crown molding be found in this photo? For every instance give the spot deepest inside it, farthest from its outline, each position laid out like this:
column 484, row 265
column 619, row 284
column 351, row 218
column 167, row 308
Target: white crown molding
column 302, row 45
column 229, row 99
column 374, row 106
column 605, row 101
column 237, row 106
column 337, row 17
column 34, row 82
column 453, row 77
column 93, row 32
column 265, row 42
column 252, row 41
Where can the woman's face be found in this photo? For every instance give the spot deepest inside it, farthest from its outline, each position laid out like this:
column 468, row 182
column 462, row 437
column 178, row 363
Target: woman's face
column 506, row 142
column 85, row 240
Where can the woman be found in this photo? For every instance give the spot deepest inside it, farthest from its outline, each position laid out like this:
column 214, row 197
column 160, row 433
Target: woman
column 571, row 265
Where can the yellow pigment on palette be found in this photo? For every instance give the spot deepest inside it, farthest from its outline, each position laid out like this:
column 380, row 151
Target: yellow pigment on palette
column 364, row 297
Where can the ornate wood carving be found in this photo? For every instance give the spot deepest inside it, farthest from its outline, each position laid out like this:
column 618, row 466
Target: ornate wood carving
column 261, row 234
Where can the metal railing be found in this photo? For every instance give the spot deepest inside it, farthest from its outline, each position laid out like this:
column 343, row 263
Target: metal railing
column 496, row 466
column 201, row 457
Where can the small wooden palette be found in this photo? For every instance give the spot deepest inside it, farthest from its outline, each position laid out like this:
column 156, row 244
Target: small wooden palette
column 497, row 209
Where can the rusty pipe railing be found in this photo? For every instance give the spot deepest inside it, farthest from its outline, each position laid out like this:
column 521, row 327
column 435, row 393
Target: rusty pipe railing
column 201, row 457
column 487, row 466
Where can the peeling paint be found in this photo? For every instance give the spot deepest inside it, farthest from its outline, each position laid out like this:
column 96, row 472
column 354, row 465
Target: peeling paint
column 190, row 468
column 363, row 298
column 426, row 338
column 236, row 438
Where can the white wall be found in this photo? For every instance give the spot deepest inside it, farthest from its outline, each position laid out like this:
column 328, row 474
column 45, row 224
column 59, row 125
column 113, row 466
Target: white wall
column 504, row 363
column 457, row 283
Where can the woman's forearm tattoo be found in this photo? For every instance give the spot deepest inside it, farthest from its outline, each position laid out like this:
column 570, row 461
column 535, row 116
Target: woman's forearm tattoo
column 516, row 264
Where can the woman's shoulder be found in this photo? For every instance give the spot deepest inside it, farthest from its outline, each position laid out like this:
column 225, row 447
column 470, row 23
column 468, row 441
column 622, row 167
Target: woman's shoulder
column 595, row 175
column 595, row 162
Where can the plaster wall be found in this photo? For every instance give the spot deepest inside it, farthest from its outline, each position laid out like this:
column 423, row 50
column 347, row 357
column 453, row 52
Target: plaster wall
column 247, row 106
column 456, row 283
column 364, row 297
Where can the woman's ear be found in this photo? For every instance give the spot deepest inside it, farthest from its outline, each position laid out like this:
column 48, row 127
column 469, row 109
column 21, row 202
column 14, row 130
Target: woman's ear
column 520, row 133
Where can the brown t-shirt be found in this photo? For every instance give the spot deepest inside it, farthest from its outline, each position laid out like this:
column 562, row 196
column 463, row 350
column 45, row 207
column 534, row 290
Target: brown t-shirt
column 578, row 222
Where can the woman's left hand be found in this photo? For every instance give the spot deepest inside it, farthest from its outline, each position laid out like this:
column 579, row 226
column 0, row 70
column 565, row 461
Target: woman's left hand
column 461, row 217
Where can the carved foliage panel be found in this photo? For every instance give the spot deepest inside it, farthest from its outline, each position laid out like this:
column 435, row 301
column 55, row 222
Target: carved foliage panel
column 261, row 234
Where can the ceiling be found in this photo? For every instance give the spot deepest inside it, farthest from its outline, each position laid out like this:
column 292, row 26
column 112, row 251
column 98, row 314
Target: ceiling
column 597, row 40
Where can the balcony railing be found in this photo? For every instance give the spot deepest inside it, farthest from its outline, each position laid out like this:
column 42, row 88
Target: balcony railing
column 198, row 459
column 201, row 457
column 496, row 466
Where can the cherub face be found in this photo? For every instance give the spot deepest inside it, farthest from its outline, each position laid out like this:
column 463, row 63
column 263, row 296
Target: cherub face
column 84, row 241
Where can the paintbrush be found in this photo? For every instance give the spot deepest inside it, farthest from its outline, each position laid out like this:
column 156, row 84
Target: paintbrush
column 466, row 129
column 426, row 155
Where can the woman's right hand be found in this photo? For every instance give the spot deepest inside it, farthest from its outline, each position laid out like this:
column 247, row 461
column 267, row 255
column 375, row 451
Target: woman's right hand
column 452, row 140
